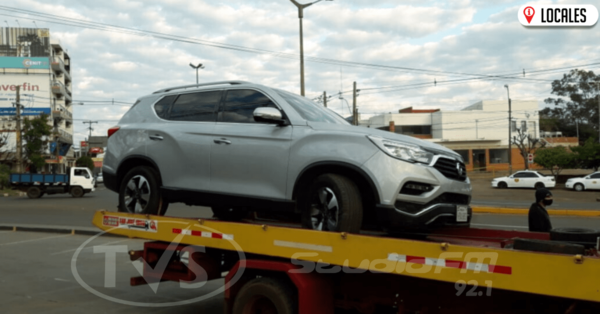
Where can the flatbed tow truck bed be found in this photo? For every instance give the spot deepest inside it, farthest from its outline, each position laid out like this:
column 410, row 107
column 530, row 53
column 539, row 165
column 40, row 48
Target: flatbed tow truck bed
column 279, row 269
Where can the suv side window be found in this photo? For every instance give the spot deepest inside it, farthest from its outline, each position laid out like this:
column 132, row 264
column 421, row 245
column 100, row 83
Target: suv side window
column 520, row 175
column 197, row 107
column 239, row 105
column 595, row 176
column 532, row 175
column 162, row 106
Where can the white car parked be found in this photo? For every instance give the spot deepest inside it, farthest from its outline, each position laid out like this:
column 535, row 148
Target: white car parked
column 524, row 179
column 589, row 182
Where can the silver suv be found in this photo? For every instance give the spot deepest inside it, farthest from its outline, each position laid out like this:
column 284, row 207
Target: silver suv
column 238, row 147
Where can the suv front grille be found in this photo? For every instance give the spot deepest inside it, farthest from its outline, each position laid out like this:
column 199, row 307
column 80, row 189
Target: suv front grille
column 451, row 169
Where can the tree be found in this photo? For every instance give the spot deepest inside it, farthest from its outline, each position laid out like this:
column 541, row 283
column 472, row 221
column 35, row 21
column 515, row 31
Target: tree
column 588, row 155
column 526, row 144
column 576, row 104
column 35, row 132
column 555, row 159
column 85, row 161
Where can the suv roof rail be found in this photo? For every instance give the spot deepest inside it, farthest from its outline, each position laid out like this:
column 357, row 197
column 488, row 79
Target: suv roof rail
column 200, row 85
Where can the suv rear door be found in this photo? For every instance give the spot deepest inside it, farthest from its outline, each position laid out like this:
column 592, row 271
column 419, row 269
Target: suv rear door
column 249, row 158
column 180, row 143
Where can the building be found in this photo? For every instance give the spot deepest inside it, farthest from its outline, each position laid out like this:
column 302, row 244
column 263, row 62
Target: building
column 31, row 59
column 479, row 132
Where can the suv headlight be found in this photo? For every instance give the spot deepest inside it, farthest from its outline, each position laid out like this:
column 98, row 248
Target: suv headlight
column 401, row 150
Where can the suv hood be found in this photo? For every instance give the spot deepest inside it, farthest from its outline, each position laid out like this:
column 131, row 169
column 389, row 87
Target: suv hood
column 435, row 148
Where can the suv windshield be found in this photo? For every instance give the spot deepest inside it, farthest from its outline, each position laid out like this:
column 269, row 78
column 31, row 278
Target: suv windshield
column 309, row 110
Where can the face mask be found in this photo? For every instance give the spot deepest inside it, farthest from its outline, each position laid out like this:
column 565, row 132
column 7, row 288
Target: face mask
column 548, row 202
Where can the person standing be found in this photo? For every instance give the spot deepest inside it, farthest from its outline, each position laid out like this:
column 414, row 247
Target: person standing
column 539, row 220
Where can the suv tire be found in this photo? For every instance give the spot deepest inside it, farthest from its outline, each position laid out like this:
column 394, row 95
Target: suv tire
column 502, row 185
column 331, row 202
column 229, row 213
column 578, row 187
column 140, row 192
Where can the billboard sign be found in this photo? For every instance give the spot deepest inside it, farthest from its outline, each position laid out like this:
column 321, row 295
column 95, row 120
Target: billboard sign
column 24, row 42
column 34, row 90
column 25, row 63
column 84, row 144
column 24, row 111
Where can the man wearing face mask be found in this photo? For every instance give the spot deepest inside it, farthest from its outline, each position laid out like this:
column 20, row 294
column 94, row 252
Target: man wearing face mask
column 539, row 220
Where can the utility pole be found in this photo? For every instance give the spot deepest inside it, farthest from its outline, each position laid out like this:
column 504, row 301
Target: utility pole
column 509, row 132
column 354, row 115
column 199, row 66
column 90, row 136
column 325, row 99
column 301, row 8
column 19, row 140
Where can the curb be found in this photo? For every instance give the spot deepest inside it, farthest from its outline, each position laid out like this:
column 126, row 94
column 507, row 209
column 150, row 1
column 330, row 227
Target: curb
column 551, row 212
column 56, row 229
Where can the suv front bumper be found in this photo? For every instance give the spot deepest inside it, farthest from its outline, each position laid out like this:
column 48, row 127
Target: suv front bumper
column 434, row 216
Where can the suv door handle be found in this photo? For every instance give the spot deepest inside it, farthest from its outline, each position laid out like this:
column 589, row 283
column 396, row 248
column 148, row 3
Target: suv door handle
column 156, row 137
column 222, row 141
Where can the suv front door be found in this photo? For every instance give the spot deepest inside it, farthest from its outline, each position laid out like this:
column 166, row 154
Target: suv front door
column 249, row 158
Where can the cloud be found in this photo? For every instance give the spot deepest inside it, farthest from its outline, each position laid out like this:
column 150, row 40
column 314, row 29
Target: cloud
column 454, row 40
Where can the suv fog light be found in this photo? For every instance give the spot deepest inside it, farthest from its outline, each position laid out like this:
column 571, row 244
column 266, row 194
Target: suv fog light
column 415, row 188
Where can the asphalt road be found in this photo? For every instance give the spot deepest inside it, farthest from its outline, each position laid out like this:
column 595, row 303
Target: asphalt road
column 64, row 210
column 65, row 282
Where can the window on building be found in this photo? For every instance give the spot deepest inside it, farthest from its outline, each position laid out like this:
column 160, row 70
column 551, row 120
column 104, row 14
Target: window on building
column 464, row 153
column 196, row 107
column 162, row 106
column 240, row 104
column 413, row 129
column 513, row 126
column 498, row 156
column 523, row 126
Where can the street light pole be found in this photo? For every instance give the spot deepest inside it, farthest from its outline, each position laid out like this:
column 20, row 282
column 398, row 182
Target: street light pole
column 509, row 131
column 300, row 16
column 199, row 66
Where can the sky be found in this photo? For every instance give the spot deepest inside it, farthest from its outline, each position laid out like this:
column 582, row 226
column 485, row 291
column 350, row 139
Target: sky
column 393, row 50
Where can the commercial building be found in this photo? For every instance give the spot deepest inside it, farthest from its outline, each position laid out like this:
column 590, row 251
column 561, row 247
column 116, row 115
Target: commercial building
column 31, row 59
column 478, row 132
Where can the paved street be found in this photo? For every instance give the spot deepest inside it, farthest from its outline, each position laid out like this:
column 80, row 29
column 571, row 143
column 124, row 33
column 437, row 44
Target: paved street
column 44, row 281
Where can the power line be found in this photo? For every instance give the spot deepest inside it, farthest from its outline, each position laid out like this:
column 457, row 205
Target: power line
column 125, row 30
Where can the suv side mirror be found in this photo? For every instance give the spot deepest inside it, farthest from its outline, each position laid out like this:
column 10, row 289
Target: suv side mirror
column 269, row 115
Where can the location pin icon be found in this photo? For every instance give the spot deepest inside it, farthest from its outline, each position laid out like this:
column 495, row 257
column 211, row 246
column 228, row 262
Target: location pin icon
column 529, row 12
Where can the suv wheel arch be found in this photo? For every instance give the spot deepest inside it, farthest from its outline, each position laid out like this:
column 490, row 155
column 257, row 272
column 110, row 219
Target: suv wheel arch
column 133, row 161
column 368, row 190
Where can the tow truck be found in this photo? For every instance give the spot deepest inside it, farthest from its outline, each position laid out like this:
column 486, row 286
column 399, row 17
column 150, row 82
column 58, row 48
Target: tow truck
column 284, row 269
column 78, row 181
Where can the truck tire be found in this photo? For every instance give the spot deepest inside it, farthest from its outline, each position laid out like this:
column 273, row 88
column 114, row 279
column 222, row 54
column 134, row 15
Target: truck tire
column 77, row 192
column 266, row 295
column 228, row 213
column 139, row 192
column 34, row 192
column 586, row 237
column 331, row 202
